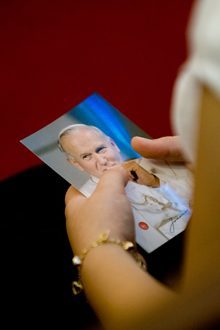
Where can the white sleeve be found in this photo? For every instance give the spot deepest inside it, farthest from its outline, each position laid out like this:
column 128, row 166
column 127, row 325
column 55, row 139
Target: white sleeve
column 201, row 67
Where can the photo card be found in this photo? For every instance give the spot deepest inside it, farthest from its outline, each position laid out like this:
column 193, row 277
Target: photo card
column 93, row 137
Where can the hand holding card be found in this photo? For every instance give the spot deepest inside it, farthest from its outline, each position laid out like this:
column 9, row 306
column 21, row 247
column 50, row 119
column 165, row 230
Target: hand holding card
column 107, row 210
column 93, row 138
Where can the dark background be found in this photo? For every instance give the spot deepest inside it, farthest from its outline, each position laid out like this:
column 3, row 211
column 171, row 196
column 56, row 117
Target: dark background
column 53, row 55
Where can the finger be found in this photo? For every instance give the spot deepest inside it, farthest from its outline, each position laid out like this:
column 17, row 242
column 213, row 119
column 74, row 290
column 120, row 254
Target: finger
column 166, row 148
column 113, row 181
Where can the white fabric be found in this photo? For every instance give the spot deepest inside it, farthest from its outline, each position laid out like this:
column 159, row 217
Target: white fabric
column 178, row 176
column 201, row 68
column 88, row 188
column 155, row 205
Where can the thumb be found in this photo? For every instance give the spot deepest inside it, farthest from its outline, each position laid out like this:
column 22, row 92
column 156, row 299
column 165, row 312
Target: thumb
column 165, row 148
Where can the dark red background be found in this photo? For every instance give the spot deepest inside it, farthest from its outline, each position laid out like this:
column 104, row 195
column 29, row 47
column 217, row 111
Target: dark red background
column 56, row 53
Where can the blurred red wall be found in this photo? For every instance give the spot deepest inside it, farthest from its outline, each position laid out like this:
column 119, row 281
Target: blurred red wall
column 56, row 53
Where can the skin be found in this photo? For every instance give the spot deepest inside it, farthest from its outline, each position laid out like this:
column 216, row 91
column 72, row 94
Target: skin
column 166, row 148
column 119, row 210
column 122, row 295
column 118, row 269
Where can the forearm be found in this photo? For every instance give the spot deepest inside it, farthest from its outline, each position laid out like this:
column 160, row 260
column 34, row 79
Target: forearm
column 202, row 266
column 119, row 291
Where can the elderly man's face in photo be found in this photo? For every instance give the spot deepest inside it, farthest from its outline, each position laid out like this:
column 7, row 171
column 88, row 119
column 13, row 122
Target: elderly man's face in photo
column 91, row 151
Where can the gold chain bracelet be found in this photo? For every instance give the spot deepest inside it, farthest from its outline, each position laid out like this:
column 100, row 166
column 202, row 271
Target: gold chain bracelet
column 103, row 238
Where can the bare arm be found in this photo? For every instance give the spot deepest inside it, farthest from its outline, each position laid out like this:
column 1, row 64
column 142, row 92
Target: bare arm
column 198, row 305
column 119, row 291
column 202, row 268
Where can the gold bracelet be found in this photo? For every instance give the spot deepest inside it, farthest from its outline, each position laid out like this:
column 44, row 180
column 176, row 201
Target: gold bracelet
column 103, row 238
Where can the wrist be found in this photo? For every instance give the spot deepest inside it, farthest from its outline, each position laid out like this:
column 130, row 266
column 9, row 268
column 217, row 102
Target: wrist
column 102, row 245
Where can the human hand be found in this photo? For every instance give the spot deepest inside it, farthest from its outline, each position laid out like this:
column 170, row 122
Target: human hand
column 108, row 209
column 166, row 148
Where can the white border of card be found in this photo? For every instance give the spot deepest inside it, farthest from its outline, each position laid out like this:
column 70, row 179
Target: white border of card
column 160, row 213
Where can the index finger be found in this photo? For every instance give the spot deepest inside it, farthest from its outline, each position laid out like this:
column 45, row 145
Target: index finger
column 113, row 181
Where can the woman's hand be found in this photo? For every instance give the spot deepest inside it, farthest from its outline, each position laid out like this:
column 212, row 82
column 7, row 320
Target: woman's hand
column 107, row 210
